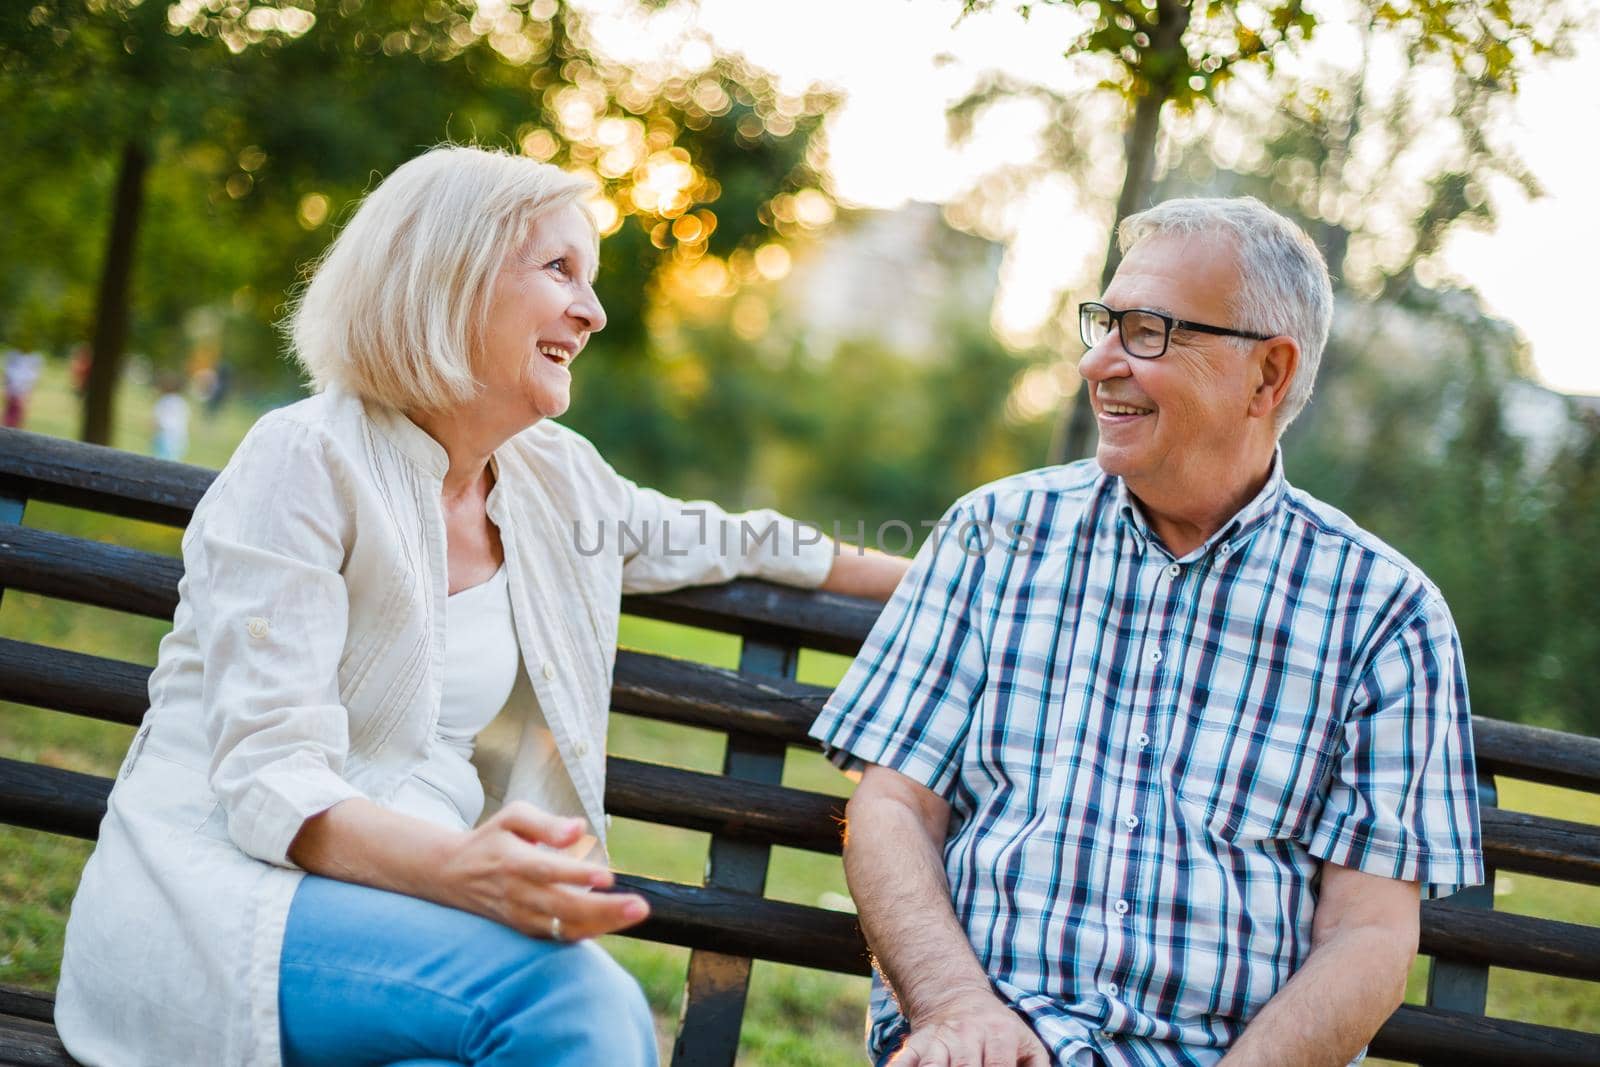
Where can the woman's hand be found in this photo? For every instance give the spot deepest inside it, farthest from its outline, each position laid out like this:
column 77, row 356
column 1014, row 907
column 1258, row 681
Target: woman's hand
column 511, row 869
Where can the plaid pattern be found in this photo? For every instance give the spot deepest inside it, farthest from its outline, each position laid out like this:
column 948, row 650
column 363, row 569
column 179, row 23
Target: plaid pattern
column 1146, row 759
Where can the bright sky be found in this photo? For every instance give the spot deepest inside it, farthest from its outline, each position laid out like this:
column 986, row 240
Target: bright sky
column 902, row 62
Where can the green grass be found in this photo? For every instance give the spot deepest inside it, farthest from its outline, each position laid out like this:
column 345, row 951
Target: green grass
column 796, row 1017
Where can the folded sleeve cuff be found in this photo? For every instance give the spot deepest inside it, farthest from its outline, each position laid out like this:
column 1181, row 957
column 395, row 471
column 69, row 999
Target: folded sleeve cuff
column 281, row 797
column 806, row 564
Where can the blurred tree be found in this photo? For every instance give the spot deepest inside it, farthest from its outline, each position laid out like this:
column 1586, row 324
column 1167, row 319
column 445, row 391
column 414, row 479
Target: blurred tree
column 1180, row 52
column 1495, row 501
column 246, row 129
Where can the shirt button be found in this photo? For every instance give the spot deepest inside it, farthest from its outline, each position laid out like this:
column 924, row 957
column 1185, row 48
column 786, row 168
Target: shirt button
column 1110, row 989
column 1174, row 570
column 1155, row 655
column 256, row 626
column 549, row 670
column 1225, row 551
column 581, row 749
column 1144, row 740
column 1131, row 822
column 1121, row 908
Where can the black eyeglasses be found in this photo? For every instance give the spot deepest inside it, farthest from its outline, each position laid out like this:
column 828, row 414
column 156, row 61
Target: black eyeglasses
column 1144, row 333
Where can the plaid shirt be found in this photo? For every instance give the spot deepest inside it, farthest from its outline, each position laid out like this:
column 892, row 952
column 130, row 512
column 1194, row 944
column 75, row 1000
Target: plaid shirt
column 1147, row 758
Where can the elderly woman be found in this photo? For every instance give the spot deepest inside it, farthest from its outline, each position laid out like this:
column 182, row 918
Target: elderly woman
column 362, row 820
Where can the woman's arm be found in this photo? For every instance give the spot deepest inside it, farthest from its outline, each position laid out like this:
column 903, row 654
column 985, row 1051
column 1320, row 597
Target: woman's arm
column 510, row 869
column 865, row 573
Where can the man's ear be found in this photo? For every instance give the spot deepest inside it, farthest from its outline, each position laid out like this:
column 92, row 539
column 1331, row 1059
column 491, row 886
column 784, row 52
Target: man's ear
column 1279, row 360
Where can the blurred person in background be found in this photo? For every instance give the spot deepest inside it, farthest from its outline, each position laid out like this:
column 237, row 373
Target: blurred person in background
column 78, row 364
column 361, row 822
column 1161, row 780
column 22, row 371
column 170, row 416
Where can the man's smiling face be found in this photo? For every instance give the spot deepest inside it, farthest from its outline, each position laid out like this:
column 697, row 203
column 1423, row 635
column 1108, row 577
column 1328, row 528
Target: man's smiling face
column 1174, row 424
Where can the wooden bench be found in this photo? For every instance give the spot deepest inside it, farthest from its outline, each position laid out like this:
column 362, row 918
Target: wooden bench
column 727, row 921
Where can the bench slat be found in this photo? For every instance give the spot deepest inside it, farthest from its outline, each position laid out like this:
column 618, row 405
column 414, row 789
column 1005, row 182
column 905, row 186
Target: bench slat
column 762, row 611
column 89, row 572
column 1534, row 844
column 1536, row 754
column 28, row 1044
column 27, row 1004
column 103, row 479
column 1502, row 939
column 1434, row 1035
column 75, row 682
column 728, row 807
column 694, row 694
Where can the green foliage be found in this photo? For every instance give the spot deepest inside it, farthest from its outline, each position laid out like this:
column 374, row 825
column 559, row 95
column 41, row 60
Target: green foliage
column 265, row 124
column 1183, row 50
column 1411, row 434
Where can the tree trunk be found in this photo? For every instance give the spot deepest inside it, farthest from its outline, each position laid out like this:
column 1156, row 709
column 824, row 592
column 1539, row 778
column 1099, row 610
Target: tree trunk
column 1074, row 436
column 110, row 340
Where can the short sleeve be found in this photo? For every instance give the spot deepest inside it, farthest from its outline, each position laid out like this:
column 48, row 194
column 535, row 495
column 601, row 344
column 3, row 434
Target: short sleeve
column 1403, row 799
column 262, row 577
column 907, row 700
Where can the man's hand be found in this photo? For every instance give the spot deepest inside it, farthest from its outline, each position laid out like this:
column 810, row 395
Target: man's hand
column 892, row 861
column 976, row 1030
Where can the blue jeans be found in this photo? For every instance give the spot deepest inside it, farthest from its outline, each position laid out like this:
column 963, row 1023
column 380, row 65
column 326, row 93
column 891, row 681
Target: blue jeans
column 370, row 977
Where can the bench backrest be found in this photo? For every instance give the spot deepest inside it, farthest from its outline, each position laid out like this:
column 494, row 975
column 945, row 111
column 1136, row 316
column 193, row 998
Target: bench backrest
column 763, row 711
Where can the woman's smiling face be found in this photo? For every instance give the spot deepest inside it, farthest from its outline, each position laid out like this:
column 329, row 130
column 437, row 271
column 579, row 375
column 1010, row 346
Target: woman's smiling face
column 541, row 313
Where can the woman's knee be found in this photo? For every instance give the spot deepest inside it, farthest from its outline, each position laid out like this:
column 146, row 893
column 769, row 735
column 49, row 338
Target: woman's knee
column 578, row 1006
column 613, row 1005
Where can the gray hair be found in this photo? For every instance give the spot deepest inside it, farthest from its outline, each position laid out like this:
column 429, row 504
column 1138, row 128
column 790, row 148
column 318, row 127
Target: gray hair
column 1283, row 278
column 395, row 308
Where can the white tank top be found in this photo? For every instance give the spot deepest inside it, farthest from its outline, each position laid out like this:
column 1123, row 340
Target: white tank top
column 480, row 668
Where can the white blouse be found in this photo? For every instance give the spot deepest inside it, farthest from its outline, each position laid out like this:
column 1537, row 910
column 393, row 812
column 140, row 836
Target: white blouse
column 480, row 668
column 307, row 664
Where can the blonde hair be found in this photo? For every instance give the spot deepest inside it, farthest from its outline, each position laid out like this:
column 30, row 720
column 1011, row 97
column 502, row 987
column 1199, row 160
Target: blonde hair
column 395, row 307
column 1283, row 278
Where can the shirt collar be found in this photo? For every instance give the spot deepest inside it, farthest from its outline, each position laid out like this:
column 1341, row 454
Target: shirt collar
column 421, row 448
column 412, row 440
column 1233, row 534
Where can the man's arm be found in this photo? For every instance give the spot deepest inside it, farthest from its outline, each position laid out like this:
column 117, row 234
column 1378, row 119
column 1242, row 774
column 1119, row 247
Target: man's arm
column 892, row 860
column 1363, row 939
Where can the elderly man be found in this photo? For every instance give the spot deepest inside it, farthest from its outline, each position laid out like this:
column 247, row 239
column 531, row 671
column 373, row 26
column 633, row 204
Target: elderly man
column 1159, row 752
